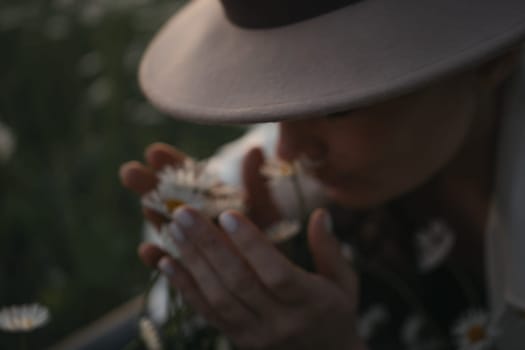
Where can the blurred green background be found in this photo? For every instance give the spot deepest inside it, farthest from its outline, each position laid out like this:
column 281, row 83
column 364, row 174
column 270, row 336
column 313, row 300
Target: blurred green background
column 70, row 113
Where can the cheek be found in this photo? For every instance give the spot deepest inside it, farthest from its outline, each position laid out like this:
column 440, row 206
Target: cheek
column 384, row 160
column 417, row 153
column 435, row 138
column 358, row 148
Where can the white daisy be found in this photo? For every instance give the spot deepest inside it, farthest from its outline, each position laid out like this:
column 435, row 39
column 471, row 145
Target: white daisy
column 434, row 244
column 276, row 168
column 190, row 184
column 283, row 230
column 472, row 331
column 23, row 318
column 149, row 334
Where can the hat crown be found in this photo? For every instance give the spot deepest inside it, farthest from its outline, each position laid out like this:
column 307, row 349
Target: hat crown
column 275, row 13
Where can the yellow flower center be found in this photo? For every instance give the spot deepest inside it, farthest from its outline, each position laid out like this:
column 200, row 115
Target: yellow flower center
column 476, row 333
column 285, row 169
column 172, row 204
column 27, row 323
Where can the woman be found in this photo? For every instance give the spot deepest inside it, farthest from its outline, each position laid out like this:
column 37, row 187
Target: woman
column 396, row 109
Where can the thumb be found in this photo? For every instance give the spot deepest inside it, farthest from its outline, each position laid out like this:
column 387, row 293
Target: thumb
column 326, row 250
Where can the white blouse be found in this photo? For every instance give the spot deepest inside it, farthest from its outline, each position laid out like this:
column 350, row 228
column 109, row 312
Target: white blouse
column 505, row 235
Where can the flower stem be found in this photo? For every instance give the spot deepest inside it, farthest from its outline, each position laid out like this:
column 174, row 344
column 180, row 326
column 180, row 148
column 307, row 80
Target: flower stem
column 151, row 283
column 300, row 195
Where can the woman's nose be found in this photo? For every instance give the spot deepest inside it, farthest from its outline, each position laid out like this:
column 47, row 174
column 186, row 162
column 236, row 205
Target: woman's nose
column 298, row 138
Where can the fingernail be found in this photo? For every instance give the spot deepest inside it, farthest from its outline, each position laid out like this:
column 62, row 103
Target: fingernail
column 184, row 217
column 229, row 222
column 164, row 265
column 176, row 232
column 328, row 223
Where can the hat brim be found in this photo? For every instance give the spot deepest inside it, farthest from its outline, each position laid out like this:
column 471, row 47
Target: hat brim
column 200, row 67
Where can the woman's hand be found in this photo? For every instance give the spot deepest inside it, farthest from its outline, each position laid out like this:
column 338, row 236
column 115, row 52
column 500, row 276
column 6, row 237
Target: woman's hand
column 245, row 287
column 141, row 178
column 239, row 281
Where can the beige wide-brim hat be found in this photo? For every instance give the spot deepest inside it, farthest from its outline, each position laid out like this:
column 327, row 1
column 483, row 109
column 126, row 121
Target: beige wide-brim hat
column 244, row 61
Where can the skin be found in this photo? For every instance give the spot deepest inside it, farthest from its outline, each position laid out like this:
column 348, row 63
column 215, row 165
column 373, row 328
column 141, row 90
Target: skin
column 257, row 297
column 378, row 143
column 432, row 146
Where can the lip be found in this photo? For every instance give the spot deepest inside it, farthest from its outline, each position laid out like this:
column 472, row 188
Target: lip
column 331, row 188
column 326, row 177
column 327, row 180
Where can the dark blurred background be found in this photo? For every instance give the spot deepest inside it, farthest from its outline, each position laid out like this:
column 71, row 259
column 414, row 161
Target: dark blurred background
column 70, row 113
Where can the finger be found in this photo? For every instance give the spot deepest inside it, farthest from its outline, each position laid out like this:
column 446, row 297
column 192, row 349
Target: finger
column 183, row 283
column 259, row 200
column 150, row 254
column 232, row 270
column 137, row 177
column 326, row 251
column 283, row 280
column 159, row 155
column 141, row 180
column 156, row 218
column 217, row 296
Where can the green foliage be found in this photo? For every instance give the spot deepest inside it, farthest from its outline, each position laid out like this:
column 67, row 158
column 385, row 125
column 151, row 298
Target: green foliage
column 68, row 92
